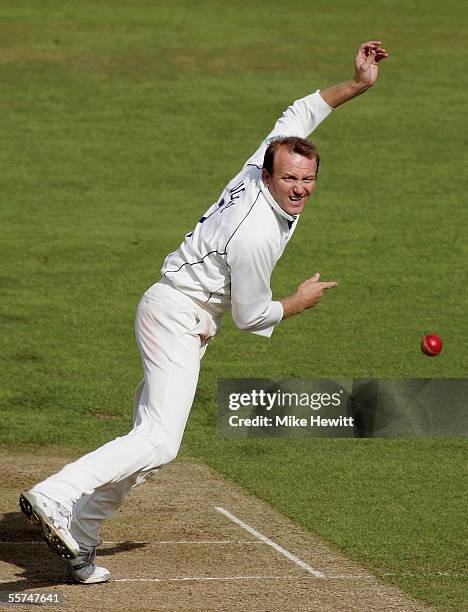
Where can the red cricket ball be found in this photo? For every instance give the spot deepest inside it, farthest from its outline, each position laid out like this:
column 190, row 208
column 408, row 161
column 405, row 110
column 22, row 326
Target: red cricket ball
column 431, row 345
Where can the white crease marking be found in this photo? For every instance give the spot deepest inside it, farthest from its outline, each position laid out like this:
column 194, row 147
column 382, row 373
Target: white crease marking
column 266, row 540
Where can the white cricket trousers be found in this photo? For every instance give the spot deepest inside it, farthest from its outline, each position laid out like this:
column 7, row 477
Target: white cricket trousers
column 171, row 331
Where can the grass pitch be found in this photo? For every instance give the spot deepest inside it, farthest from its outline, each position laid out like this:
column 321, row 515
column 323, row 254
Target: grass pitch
column 122, row 121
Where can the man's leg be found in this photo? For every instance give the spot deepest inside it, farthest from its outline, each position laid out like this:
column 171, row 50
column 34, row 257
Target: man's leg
column 88, row 514
column 168, row 333
column 169, row 343
column 90, row 510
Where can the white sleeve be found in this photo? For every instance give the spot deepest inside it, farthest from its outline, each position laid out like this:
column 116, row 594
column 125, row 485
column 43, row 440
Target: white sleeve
column 299, row 119
column 251, row 263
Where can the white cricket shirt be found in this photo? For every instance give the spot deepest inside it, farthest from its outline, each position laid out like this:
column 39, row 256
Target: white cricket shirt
column 227, row 261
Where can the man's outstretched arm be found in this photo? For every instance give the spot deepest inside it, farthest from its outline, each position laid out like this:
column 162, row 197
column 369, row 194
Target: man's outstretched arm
column 306, row 114
column 366, row 66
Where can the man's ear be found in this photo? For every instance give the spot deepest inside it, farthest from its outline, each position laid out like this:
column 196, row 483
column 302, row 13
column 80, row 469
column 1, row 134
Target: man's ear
column 265, row 176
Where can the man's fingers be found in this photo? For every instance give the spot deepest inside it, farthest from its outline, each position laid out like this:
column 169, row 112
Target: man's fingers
column 370, row 43
column 315, row 278
column 380, row 56
column 365, row 49
column 371, row 46
column 324, row 284
column 370, row 58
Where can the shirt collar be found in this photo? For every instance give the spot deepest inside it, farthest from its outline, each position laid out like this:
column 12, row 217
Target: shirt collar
column 274, row 204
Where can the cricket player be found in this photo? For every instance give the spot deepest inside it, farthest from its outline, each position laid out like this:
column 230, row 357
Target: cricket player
column 224, row 264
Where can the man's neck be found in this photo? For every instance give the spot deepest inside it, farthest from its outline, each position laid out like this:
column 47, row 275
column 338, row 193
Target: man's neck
column 274, row 204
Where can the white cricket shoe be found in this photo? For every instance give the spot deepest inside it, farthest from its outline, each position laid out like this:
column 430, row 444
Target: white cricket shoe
column 82, row 568
column 54, row 521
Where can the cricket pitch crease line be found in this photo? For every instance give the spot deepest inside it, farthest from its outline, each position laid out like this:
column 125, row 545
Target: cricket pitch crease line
column 183, row 542
column 266, row 540
column 112, row 542
column 210, row 579
column 223, row 578
column 232, row 578
column 291, row 577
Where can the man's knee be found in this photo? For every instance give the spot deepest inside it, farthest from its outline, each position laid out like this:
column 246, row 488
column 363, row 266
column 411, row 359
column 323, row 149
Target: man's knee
column 171, row 449
column 166, row 447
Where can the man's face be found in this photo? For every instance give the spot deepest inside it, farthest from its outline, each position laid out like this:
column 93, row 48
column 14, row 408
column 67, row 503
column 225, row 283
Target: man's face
column 292, row 181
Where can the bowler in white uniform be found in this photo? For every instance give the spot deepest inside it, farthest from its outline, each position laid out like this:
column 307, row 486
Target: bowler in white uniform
column 223, row 265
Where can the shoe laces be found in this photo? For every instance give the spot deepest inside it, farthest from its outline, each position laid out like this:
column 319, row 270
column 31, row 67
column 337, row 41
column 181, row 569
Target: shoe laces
column 59, row 514
column 65, row 514
column 85, row 558
column 90, row 555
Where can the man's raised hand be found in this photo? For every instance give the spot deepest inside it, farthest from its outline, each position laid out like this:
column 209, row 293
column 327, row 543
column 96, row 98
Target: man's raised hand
column 366, row 70
column 366, row 62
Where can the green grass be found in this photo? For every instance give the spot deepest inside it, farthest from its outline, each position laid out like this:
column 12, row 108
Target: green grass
column 380, row 501
column 121, row 123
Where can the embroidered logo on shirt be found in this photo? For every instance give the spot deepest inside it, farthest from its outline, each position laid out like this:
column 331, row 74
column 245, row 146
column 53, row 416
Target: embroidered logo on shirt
column 234, row 194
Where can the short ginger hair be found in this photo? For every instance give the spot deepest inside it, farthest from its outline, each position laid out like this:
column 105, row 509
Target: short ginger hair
column 294, row 144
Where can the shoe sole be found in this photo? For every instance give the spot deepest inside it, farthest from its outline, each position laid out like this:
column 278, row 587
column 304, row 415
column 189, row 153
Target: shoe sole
column 50, row 533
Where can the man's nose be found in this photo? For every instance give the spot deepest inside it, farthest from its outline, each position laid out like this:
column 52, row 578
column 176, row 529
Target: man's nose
column 298, row 188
